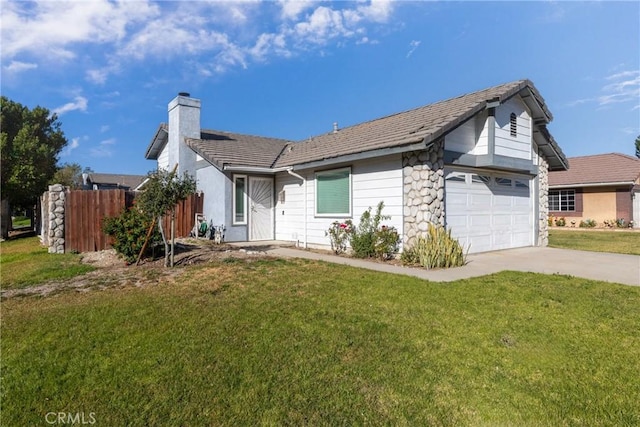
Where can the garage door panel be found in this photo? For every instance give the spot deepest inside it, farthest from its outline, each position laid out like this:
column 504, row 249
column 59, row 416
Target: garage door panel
column 521, row 220
column 480, row 199
column 489, row 211
column 501, row 221
column 501, row 240
column 457, row 200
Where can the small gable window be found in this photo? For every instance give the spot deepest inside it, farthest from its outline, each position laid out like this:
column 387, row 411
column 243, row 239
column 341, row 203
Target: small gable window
column 513, row 121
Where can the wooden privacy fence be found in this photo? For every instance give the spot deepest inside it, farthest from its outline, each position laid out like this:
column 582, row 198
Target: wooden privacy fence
column 84, row 211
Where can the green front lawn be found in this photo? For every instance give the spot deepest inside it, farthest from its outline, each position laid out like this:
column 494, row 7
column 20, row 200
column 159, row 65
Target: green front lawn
column 621, row 242
column 308, row 343
column 24, row 262
column 20, row 221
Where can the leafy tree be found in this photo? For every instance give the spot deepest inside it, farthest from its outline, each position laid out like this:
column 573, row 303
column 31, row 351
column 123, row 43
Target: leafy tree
column 638, row 147
column 30, row 142
column 70, row 175
column 159, row 197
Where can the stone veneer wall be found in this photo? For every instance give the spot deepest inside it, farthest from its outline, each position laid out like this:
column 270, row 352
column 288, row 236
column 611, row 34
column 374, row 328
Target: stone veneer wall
column 543, row 195
column 423, row 174
column 55, row 233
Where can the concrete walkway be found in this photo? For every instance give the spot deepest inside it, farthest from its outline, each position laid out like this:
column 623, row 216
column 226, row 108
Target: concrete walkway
column 607, row 267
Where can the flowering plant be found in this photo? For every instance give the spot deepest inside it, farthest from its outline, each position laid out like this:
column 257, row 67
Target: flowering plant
column 339, row 236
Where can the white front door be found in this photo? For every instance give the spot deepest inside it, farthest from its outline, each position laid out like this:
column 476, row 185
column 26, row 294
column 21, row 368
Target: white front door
column 488, row 211
column 260, row 208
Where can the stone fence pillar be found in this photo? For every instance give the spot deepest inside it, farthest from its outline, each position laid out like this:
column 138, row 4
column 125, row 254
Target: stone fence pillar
column 56, row 219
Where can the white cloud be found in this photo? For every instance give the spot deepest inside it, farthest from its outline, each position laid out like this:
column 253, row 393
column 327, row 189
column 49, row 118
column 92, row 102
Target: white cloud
column 324, row 24
column 376, row 11
column 79, row 103
column 103, row 149
column 269, row 43
column 75, row 143
column 104, row 128
column 625, row 87
column 413, row 45
column 17, row 67
column 291, row 9
column 109, row 36
column 52, row 28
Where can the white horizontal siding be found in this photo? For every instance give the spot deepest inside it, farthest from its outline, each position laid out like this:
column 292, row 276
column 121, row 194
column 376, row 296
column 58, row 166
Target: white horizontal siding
column 289, row 216
column 507, row 145
column 163, row 158
column 470, row 137
column 462, row 139
column 482, row 147
column 372, row 181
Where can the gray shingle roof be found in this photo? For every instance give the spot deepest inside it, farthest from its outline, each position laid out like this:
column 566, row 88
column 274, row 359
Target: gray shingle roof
column 598, row 169
column 226, row 148
column 424, row 123
column 119, row 180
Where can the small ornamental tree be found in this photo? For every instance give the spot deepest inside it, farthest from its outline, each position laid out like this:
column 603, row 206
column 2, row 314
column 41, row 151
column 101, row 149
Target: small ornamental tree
column 159, row 198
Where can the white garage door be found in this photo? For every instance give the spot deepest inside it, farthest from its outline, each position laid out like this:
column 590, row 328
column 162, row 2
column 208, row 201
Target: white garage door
column 489, row 211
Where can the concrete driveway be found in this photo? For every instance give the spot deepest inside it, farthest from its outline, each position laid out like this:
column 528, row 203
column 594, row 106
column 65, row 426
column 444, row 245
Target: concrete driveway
column 608, row 267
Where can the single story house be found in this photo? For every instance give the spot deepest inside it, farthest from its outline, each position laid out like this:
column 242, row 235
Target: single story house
column 602, row 187
column 477, row 163
column 110, row 181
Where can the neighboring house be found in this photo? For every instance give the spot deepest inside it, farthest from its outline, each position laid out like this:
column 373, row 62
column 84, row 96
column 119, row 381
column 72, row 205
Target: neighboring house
column 109, row 181
column 601, row 187
column 477, row 163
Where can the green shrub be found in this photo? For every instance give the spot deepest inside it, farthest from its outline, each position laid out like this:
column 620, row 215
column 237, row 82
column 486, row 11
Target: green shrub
column 437, row 250
column 370, row 239
column 339, row 236
column 561, row 222
column 129, row 230
column 588, row 223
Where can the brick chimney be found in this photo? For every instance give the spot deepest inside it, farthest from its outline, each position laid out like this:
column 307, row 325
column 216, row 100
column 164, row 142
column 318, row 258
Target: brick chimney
column 184, row 122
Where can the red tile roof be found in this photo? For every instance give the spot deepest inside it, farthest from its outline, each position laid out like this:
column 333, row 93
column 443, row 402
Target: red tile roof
column 598, row 169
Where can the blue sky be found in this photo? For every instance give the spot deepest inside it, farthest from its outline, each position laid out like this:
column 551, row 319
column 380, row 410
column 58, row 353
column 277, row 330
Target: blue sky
column 289, row 69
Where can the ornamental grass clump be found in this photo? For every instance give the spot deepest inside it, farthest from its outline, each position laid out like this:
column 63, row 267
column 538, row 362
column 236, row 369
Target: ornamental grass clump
column 438, row 249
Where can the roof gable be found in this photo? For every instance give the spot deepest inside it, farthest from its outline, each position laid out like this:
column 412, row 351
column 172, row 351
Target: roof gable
column 598, row 169
column 400, row 131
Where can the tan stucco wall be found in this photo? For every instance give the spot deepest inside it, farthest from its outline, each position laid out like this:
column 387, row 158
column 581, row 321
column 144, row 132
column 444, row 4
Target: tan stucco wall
column 598, row 204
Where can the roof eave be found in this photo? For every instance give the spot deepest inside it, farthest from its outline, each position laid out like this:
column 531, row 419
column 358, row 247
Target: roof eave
column 157, row 143
column 594, row 184
column 420, row 144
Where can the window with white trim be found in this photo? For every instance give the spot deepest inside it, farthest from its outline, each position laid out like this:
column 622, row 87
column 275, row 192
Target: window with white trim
column 562, row 200
column 333, row 193
column 239, row 199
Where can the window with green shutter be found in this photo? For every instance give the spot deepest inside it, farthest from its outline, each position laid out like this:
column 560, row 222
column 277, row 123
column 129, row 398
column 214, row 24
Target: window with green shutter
column 333, row 192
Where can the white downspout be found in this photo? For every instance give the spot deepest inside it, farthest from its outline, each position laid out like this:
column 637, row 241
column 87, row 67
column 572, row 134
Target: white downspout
column 292, row 173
